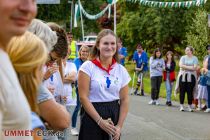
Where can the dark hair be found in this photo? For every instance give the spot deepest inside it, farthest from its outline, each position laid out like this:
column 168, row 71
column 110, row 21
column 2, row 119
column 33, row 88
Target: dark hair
column 61, row 47
column 208, row 46
column 171, row 53
column 95, row 51
column 155, row 51
column 139, row 45
column 119, row 40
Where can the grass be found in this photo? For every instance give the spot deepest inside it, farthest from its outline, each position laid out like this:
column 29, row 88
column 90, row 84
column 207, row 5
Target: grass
column 147, row 87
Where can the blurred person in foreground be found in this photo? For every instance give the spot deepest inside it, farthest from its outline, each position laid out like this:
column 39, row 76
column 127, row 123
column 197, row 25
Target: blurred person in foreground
column 16, row 16
column 28, row 55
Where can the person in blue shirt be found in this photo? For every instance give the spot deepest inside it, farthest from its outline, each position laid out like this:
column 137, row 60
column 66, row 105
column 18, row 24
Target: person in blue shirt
column 122, row 51
column 140, row 58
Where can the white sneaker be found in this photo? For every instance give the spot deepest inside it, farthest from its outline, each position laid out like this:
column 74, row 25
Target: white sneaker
column 190, row 109
column 207, row 110
column 193, row 106
column 199, row 109
column 152, row 102
column 74, row 132
column 157, row 102
column 181, row 108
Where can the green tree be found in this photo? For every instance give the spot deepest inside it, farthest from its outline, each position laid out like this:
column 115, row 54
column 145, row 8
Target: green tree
column 198, row 33
column 154, row 27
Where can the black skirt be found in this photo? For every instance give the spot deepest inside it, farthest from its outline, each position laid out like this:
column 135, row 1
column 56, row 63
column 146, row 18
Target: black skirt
column 89, row 129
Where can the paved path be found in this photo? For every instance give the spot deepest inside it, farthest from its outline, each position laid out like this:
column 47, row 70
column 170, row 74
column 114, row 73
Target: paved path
column 150, row 122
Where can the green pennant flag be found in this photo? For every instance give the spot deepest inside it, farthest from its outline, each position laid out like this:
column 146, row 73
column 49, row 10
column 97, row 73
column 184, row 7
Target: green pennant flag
column 169, row 4
column 176, row 5
column 182, row 4
column 109, row 1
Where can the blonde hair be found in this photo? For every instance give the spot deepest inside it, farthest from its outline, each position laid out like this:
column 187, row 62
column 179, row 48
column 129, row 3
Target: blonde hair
column 28, row 54
column 95, row 51
column 83, row 47
column 44, row 32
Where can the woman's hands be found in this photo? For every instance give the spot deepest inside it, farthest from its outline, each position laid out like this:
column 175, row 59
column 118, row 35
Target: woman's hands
column 51, row 70
column 193, row 68
column 117, row 133
column 108, row 126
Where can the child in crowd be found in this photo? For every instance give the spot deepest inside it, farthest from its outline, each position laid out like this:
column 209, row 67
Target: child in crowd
column 202, row 90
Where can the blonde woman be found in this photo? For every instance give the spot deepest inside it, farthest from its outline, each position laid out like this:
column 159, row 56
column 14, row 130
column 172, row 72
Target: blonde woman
column 83, row 56
column 103, row 91
column 28, row 55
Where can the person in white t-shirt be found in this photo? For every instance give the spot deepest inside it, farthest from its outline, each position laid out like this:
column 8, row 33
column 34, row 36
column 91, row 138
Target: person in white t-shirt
column 103, row 91
column 69, row 96
column 15, row 15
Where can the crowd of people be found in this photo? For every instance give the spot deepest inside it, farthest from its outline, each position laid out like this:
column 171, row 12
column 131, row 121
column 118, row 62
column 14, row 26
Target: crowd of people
column 191, row 78
column 46, row 80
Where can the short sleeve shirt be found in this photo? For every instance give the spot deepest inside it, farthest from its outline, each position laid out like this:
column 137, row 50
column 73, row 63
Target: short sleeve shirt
column 71, row 99
column 105, row 87
column 189, row 61
column 14, row 108
column 44, row 94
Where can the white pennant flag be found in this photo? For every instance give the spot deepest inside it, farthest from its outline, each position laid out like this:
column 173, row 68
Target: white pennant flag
column 75, row 15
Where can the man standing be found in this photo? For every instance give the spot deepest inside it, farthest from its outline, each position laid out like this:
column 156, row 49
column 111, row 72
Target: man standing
column 72, row 46
column 16, row 16
column 122, row 52
column 141, row 60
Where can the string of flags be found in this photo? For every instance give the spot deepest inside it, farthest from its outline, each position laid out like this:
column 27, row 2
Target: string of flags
column 96, row 16
column 159, row 4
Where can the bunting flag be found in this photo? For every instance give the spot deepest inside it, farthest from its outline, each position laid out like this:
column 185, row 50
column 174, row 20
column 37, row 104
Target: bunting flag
column 76, row 14
column 94, row 17
column 159, row 4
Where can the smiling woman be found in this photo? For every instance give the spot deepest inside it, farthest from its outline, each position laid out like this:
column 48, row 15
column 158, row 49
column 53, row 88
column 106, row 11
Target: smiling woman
column 16, row 16
column 103, row 91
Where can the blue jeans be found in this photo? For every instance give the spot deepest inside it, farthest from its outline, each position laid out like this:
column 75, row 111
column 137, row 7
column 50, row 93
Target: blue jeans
column 76, row 110
column 208, row 100
column 66, row 131
column 169, row 86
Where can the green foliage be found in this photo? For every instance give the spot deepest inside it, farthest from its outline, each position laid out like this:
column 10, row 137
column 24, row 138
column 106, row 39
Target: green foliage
column 55, row 12
column 61, row 13
column 198, row 33
column 167, row 28
column 154, row 27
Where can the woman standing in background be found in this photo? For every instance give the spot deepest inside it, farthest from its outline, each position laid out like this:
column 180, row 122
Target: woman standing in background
column 157, row 66
column 186, row 81
column 83, row 56
column 169, row 75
